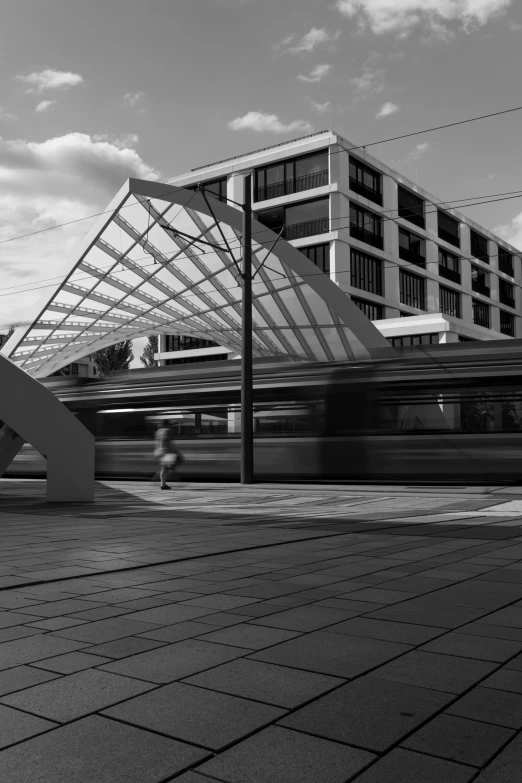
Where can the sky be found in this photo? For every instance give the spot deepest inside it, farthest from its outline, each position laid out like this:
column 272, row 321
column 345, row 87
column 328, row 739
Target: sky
column 92, row 93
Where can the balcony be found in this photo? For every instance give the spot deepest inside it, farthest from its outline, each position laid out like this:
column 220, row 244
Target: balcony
column 307, row 229
column 449, row 274
column 447, row 236
column 364, row 190
column 366, row 236
column 296, row 185
column 507, row 328
column 505, row 264
column 506, row 300
column 411, row 257
column 480, row 288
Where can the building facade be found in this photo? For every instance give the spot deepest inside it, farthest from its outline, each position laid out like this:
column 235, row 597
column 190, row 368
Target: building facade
column 422, row 271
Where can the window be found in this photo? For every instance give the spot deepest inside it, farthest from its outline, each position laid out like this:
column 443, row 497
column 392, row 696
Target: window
column 412, row 248
column 213, row 357
column 365, row 226
column 448, row 228
column 507, row 323
column 412, row 290
column 319, row 255
column 506, row 293
column 480, row 313
column 214, row 187
column 480, row 281
column 375, row 312
column 411, row 207
column 463, row 339
column 505, row 262
column 414, row 340
column 479, row 246
column 365, row 181
column 291, row 176
column 181, row 342
column 449, row 301
column 300, row 220
column 449, row 265
column 366, row 272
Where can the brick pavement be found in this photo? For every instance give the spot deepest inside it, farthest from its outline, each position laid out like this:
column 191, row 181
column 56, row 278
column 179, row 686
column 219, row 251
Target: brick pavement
column 263, row 634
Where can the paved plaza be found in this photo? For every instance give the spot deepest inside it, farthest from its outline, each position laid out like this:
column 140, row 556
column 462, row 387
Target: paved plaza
column 263, row 634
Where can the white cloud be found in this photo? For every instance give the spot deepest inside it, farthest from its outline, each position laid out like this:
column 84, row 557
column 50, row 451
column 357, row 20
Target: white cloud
column 261, row 122
column 401, row 16
column 5, row 115
column 320, row 107
column 51, row 80
column 370, row 81
column 316, row 74
column 44, row 105
column 133, row 99
column 511, row 232
column 308, row 42
column 387, row 109
column 43, row 184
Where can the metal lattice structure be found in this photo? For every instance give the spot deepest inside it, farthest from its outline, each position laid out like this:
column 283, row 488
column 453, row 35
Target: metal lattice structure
column 140, row 271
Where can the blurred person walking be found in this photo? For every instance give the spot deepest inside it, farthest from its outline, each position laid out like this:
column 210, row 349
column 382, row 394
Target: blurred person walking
column 165, row 452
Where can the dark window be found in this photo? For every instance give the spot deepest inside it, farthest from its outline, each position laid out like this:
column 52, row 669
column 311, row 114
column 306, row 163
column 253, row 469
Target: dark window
column 214, row 357
column 479, row 246
column 300, row 220
column 480, row 281
column 449, row 265
column 412, row 290
column 291, row 176
column 319, row 255
column 506, row 293
column 375, row 312
column 366, row 272
column 214, row 187
column 181, row 342
column 480, row 313
column 505, row 262
column 449, row 301
column 414, row 340
column 463, row 339
column 365, row 226
column 365, row 181
column 507, row 323
column 448, row 228
column 411, row 207
column 412, row 248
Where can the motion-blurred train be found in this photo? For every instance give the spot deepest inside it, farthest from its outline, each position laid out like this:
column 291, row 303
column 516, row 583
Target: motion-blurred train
column 449, row 413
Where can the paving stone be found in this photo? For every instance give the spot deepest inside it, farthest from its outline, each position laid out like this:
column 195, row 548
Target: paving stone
column 16, row 726
column 75, row 695
column 249, row 636
column 439, row 615
column 71, row 662
column 223, row 619
column 196, row 715
column 511, row 616
column 304, row 618
column 174, row 661
column 35, row 648
column 170, row 614
column 265, row 682
column 8, row 619
column 103, row 750
column 506, row 767
column 102, row 613
column 328, row 653
column 505, row 679
column 176, row 633
column 471, row 646
column 147, row 603
column 219, row 602
column 404, row 766
column 494, row 631
column 490, row 706
column 18, row 632
column 458, row 739
column 20, row 677
column 105, row 630
column 379, row 595
column 55, row 623
column 404, row 633
column 277, row 754
column 123, row 594
column 369, row 713
column 193, row 777
column 123, row 648
column 516, row 663
column 58, row 608
column 446, row 673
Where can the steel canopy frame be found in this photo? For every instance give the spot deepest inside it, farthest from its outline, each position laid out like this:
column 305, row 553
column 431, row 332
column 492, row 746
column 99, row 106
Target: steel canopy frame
column 137, row 274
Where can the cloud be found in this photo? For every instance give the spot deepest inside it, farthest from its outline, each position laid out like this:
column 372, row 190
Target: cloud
column 511, row 232
column 50, row 80
column 5, row 115
column 387, row 109
column 43, row 184
column 320, row 107
column 44, row 105
column 370, row 81
column 133, row 99
column 308, row 42
column 316, row 74
column 401, row 16
column 261, row 122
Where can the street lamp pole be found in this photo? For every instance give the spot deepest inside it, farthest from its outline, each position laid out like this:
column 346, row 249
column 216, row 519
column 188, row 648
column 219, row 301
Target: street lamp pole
column 247, row 435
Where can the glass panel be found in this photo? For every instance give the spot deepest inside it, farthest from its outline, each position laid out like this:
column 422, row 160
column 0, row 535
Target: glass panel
column 275, row 174
column 312, row 165
column 272, row 218
column 308, row 210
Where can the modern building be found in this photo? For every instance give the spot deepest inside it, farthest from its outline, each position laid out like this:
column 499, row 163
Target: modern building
column 421, row 270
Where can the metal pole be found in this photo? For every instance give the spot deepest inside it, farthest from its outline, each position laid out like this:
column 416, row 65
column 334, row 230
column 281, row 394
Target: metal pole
column 247, row 439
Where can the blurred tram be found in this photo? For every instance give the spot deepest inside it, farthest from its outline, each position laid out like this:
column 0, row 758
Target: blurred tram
column 446, row 413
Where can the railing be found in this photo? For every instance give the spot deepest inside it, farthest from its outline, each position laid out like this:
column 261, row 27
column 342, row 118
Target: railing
column 508, row 328
column 506, row 300
column 481, row 316
column 296, row 185
column 306, row 229
column 448, row 237
column 449, row 274
column 364, row 190
column 366, row 236
column 411, row 256
column 480, row 288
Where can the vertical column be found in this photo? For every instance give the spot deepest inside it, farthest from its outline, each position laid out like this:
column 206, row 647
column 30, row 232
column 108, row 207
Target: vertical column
column 247, row 444
column 391, row 244
column 465, row 275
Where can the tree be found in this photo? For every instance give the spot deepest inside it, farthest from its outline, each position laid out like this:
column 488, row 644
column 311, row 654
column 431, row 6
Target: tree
column 5, row 337
column 147, row 357
column 115, row 357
